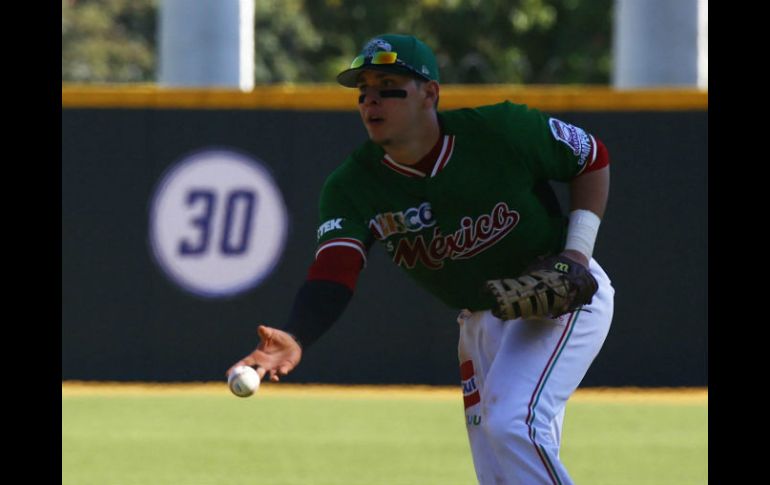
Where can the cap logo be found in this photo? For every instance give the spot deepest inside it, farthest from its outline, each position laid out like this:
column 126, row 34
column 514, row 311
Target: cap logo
column 425, row 70
column 376, row 45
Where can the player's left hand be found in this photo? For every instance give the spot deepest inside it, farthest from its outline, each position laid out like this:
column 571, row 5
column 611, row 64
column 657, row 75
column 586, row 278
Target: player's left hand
column 547, row 289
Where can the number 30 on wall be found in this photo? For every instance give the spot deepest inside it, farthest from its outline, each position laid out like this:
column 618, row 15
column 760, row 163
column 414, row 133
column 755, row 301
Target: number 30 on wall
column 207, row 198
column 218, row 223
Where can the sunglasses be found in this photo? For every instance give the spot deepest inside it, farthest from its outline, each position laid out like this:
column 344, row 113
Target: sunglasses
column 381, row 57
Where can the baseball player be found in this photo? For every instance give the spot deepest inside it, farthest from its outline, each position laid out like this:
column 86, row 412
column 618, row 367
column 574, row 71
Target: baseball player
column 460, row 200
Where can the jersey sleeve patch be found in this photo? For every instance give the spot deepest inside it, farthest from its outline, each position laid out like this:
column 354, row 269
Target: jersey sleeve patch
column 575, row 138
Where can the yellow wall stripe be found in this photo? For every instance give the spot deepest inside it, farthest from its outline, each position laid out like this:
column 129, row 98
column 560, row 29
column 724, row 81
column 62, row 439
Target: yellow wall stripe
column 333, row 97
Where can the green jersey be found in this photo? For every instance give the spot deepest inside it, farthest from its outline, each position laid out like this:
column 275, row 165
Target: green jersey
column 485, row 211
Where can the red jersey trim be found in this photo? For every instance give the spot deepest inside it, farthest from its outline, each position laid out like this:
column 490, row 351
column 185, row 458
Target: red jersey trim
column 339, row 264
column 446, row 154
column 402, row 169
column 600, row 157
column 343, row 241
column 441, row 162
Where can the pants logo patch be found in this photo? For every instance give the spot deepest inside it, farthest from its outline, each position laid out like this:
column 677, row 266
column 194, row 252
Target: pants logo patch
column 471, row 395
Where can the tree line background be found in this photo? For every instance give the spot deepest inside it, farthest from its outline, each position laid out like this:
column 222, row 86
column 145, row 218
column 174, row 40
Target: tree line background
column 309, row 41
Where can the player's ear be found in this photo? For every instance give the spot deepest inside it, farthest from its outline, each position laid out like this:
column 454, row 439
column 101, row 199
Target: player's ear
column 431, row 90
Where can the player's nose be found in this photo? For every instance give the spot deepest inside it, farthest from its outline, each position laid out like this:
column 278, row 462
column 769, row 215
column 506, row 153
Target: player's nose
column 369, row 96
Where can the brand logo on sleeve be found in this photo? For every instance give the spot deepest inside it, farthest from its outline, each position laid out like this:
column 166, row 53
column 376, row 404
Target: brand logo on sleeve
column 330, row 225
column 572, row 136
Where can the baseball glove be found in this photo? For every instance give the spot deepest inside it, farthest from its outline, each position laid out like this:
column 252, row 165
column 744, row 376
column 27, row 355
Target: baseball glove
column 547, row 289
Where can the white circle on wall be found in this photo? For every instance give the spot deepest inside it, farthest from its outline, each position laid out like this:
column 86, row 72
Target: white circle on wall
column 218, row 223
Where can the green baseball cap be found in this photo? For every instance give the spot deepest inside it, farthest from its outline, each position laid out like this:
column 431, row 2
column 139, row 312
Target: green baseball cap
column 400, row 54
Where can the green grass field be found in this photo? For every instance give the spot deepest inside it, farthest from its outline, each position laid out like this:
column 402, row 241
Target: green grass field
column 309, row 436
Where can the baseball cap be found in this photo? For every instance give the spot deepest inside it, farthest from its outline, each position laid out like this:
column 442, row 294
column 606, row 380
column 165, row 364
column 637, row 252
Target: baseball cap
column 400, row 54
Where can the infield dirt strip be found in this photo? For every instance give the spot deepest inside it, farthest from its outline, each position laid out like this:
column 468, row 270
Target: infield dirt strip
column 688, row 395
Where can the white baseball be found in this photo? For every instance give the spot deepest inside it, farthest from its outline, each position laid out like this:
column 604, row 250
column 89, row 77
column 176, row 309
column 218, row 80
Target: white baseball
column 243, row 381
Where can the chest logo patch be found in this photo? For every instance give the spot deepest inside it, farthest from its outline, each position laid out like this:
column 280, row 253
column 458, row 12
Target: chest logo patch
column 473, row 237
column 414, row 219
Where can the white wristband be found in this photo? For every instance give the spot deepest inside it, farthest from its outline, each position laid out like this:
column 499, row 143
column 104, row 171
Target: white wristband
column 582, row 230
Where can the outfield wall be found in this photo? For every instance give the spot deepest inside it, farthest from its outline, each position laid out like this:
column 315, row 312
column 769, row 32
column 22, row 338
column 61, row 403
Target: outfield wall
column 125, row 318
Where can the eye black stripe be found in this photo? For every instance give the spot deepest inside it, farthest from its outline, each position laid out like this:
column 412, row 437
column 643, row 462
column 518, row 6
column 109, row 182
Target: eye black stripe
column 393, row 93
column 385, row 93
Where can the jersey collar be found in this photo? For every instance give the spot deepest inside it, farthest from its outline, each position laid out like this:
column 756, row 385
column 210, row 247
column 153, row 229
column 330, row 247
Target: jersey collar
column 447, row 148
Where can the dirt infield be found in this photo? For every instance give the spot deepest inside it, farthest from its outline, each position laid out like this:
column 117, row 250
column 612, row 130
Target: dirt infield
column 688, row 395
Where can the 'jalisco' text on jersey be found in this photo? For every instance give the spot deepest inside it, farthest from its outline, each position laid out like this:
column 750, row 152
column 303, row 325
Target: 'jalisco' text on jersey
column 485, row 211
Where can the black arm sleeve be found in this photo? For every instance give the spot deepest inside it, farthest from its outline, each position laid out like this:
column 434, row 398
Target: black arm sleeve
column 318, row 304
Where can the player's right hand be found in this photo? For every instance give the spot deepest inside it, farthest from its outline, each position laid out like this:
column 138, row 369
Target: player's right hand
column 277, row 354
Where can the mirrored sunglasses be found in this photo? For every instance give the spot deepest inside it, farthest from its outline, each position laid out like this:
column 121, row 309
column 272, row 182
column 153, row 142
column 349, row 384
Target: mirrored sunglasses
column 381, row 57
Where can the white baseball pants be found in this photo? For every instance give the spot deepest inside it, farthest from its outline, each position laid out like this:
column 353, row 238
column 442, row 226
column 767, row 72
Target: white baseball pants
column 517, row 376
